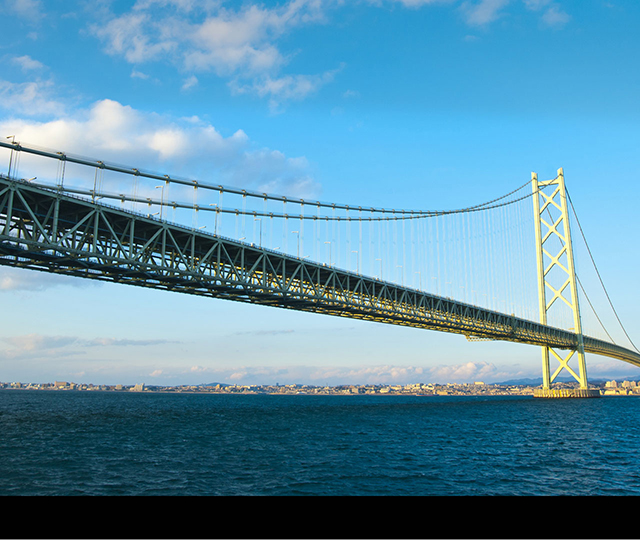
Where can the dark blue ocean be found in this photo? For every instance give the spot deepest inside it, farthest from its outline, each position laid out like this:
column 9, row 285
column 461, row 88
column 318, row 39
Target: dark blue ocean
column 109, row 443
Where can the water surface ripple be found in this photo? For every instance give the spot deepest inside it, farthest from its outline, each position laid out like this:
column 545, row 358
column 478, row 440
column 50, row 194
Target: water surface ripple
column 125, row 443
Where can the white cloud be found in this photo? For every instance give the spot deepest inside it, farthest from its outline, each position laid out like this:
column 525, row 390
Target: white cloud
column 466, row 372
column 128, row 35
column 270, row 171
column 206, row 37
column 30, row 10
column 233, row 41
column 27, row 63
column 286, row 88
column 118, row 132
column 112, row 342
column 552, row 14
column 135, row 74
column 609, row 369
column 190, row 82
column 536, row 4
column 186, row 6
column 209, row 37
column 381, row 374
column 18, row 279
column 113, row 132
column 169, row 142
column 30, row 98
column 58, row 348
column 483, row 12
column 198, row 369
column 420, row 3
column 36, row 342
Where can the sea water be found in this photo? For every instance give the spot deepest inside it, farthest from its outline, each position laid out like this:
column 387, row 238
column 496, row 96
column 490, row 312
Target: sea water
column 148, row 443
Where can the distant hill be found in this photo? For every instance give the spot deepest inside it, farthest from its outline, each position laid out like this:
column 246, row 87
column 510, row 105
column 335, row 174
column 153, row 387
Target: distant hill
column 514, row 382
column 538, row 381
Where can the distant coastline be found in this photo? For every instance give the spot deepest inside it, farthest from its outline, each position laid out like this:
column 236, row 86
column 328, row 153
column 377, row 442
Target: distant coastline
column 618, row 388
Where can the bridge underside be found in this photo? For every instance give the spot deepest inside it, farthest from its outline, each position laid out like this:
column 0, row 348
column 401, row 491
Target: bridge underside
column 43, row 229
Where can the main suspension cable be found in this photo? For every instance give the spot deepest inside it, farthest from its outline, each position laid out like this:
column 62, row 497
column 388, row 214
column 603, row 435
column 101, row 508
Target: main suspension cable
column 598, row 273
column 20, row 147
column 397, row 215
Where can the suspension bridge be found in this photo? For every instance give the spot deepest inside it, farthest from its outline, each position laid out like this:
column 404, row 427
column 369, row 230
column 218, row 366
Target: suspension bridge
column 502, row 270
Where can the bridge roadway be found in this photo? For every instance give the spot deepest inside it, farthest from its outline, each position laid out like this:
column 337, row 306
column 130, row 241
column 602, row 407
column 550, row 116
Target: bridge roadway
column 48, row 230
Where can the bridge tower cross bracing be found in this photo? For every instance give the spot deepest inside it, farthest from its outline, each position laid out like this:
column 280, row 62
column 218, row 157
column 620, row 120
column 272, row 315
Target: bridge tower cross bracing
column 554, row 253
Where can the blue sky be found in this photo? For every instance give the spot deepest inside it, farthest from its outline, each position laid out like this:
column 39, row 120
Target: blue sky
column 393, row 103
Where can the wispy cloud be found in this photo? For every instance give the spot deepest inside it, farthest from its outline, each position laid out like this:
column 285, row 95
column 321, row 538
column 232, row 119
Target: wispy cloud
column 135, row 74
column 39, row 343
column 33, row 98
column 286, row 88
column 263, row 332
column 414, row 4
column 483, row 12
column 190, row 82
column 207, row 37
column 113, row 342
column 28, row 10
column 552, row 14
column 27, row 63
column 18, row 279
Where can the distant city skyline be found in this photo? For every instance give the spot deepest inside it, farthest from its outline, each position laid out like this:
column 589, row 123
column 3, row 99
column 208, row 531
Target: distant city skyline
column 390, row 103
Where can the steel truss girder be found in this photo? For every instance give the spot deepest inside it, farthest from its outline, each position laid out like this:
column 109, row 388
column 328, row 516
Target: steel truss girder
column 43, row 229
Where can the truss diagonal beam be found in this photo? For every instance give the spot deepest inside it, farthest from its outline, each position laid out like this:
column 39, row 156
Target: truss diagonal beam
column 557, row 199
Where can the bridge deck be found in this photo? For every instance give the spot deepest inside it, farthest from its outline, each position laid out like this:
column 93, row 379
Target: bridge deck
column 45, row 229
